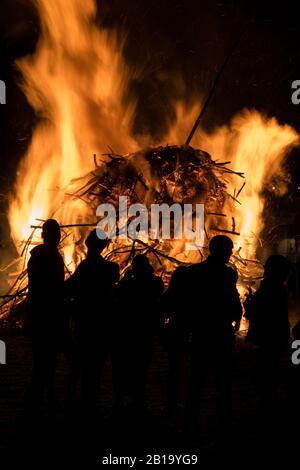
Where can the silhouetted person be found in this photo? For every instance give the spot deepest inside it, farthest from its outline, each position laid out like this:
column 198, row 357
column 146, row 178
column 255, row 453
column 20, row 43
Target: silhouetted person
column 45, row 322
column 138, row 321
column 92, row 287
column 269, row 317
column 177, row 331
column 214, row 305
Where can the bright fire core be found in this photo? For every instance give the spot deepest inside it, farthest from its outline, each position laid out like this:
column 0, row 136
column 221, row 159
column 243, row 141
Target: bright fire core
column 76, row 81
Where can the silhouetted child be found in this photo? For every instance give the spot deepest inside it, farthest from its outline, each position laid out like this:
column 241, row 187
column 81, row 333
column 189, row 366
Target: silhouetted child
column 177, row 331
column 45, row 316
column 138, row 321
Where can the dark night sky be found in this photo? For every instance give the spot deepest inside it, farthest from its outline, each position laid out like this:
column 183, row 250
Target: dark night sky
column 168, row 39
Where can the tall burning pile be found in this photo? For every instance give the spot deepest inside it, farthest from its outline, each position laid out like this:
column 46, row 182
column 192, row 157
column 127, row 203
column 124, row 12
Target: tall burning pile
column 169, row 175
column 77, row 83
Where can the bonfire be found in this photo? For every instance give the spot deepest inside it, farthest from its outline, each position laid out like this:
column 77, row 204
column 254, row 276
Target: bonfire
column 77, row 82
column 171, row 174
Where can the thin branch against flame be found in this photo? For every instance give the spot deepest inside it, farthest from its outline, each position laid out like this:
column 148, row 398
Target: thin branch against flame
column 240, row 190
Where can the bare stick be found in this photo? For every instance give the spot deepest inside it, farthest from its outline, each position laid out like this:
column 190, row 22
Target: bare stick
column 210, row 95
column 225, row 231
column 69, row 225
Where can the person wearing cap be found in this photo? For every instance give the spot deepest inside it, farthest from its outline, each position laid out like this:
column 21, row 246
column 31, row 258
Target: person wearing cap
column 92, row 288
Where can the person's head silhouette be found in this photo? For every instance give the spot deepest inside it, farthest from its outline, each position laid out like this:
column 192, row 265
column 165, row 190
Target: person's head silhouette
column 141, row 266
column 51, row 233
column 277, row 268
column 94, row 243
column 220, row 248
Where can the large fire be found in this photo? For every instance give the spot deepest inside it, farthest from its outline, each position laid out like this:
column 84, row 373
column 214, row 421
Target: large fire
column 76, row 81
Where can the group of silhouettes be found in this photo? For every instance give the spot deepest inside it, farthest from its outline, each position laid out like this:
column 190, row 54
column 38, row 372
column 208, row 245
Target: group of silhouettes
column 95, row 314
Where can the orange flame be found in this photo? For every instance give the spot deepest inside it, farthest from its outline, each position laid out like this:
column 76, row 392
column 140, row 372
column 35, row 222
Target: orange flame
column 256, row 146
column 76, row 82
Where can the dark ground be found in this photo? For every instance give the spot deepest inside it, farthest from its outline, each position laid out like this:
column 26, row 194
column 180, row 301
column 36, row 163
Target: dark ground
column 73, row 442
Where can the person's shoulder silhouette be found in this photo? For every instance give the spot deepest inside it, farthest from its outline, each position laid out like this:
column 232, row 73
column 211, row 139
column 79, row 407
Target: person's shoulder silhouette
column 46, row 266
column 95, row 277
column 175, row 297
column 143, row 271
column 96, row 243
column 212, row 272
column 270, row 303
column 140, row 281
column 139, row 294
column 213, row 290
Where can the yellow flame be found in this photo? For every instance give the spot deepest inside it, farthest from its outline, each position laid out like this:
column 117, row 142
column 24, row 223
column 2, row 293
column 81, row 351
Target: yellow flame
column 76, row 82
column 256, row 146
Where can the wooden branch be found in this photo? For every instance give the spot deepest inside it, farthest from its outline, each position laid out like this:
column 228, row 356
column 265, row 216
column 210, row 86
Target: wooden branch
column 69, row 225
column 216, row 214
column 240, row 190
column 225, row 231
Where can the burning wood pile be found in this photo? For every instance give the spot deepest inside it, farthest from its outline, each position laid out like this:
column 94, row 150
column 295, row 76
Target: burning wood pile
column 79, row 91
column 171, row 174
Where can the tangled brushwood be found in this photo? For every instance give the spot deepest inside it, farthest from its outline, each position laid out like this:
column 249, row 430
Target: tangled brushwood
column 171, row 174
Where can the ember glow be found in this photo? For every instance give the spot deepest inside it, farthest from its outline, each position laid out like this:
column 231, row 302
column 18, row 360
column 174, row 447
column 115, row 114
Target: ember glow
column 76, row 82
